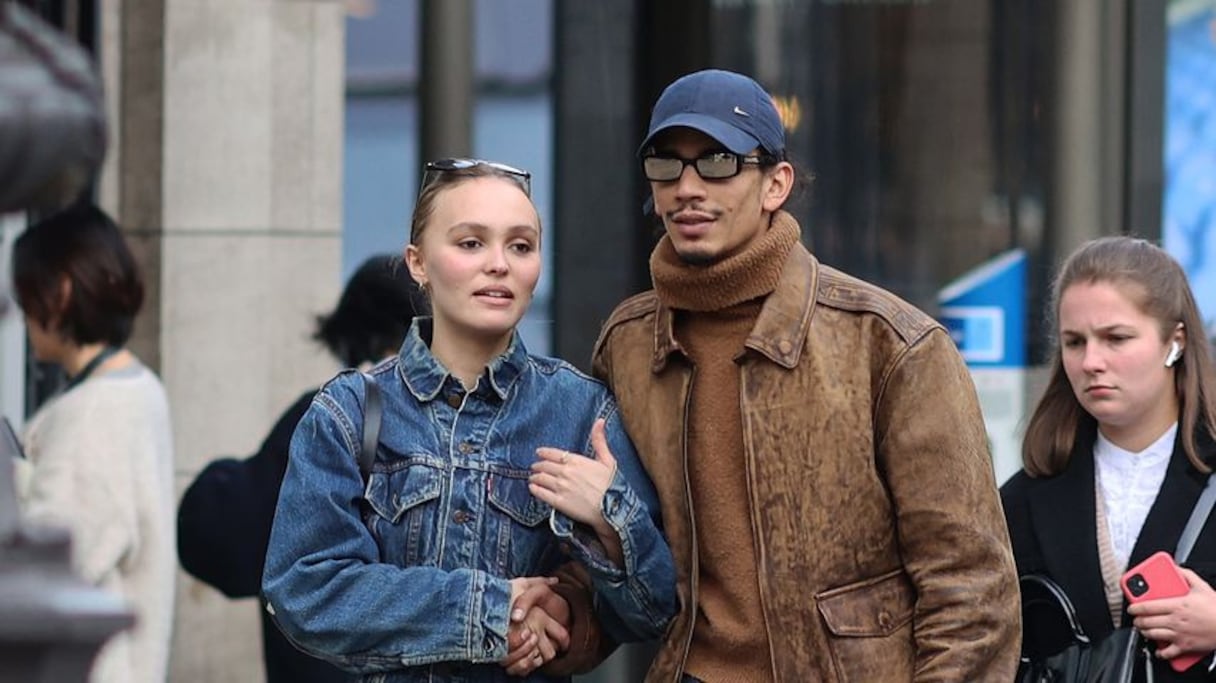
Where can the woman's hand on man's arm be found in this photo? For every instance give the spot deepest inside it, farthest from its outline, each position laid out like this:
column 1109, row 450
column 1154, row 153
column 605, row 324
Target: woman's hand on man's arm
column 575, row 486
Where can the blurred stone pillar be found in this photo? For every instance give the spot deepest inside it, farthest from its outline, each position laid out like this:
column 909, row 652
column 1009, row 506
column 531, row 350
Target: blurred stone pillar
column 226, row 173
column 445, row 88
column 600, row 237
column 1088, row 128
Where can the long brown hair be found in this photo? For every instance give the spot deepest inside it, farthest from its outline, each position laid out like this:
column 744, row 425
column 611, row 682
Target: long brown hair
column 1157, row 285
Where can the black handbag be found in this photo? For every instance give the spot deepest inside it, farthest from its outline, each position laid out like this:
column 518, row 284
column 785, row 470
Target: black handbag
column 1056, row 650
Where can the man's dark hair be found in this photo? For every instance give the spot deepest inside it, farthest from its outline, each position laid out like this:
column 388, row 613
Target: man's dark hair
column 374, row 313
column 82, row 248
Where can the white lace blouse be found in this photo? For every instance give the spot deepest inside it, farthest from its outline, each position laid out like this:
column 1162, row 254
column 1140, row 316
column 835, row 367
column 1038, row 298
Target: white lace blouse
column 1129, row 483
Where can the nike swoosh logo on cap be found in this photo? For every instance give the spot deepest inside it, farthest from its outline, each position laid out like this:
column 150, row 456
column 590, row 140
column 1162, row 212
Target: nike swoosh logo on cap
column 740, row 112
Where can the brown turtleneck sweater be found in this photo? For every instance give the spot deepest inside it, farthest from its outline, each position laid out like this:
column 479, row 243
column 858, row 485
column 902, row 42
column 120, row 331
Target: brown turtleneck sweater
column 715, row 309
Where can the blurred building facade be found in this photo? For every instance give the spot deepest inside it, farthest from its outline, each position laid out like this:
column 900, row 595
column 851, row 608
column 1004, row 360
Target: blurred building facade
column 939, row 133
column 224, row 169
column 262, row 149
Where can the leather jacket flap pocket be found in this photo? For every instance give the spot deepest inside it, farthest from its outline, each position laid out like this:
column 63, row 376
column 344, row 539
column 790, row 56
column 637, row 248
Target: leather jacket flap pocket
column 511, row 496
column 391, row 494
column 872, row 607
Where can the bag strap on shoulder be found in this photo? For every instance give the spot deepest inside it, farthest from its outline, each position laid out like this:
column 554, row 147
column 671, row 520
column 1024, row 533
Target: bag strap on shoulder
column 373, row 410
column 1199, row 517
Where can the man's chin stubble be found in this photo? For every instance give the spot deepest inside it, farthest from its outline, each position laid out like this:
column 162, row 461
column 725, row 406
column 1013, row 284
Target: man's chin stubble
column 697, row 258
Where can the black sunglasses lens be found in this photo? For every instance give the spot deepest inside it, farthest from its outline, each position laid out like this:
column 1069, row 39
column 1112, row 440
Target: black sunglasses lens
column 712, row 166
column 662, row 168
column 718, row 165
column 438, row 167
column 450, row 164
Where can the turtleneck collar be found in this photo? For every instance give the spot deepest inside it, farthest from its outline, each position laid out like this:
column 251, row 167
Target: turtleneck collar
column 748, row 275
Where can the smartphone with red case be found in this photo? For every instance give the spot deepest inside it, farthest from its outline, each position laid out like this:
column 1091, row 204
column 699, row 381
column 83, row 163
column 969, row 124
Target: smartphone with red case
column 1154, row 578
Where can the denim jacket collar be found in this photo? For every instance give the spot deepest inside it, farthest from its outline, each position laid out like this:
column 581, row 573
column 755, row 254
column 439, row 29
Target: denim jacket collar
column 781, row 328
column 425, row 376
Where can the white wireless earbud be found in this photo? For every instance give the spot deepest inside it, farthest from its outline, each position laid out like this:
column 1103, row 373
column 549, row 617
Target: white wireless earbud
column 1174, row 354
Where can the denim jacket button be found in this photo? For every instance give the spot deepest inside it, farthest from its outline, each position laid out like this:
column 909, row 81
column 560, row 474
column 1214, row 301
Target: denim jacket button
column 460, row 516
column 455, row 400
column 466, row 447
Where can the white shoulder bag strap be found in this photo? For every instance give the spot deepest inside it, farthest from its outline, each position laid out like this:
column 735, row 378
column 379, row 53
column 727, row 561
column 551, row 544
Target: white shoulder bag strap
column 1199, row 517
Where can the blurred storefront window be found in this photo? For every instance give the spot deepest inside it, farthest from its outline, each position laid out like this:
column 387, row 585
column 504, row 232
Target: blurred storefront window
column 1189, row 158
column 924, row 124
column 512, row 122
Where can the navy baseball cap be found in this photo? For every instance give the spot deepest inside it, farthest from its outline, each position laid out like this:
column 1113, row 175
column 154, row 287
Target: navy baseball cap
column 728, row 107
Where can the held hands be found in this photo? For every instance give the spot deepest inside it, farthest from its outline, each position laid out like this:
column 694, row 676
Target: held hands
column 538, row 630
column 1183, row 624
column 573, row 484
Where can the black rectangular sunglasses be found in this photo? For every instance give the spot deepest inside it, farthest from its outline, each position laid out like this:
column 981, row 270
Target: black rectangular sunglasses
column 718, row 165
column 436, row 168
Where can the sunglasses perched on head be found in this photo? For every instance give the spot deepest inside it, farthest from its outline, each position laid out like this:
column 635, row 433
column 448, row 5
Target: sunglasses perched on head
column 435, row 169
column 710, row 166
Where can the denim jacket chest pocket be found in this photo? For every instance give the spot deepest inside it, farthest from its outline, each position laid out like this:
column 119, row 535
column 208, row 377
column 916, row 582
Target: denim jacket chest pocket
column 403, row 501
column 406, row 516
column 525, row 546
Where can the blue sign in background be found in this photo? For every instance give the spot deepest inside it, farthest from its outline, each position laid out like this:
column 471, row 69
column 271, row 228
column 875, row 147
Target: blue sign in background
column 985, row 312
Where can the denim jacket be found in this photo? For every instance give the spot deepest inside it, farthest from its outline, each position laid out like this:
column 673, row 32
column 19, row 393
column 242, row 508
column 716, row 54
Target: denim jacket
column 413, row 584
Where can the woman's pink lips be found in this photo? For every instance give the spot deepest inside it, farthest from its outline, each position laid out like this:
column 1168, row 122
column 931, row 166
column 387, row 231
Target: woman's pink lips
column 495, row 296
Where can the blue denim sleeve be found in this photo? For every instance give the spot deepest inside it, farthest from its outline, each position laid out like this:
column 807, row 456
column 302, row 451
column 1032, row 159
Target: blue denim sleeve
column 323, row 581
column 637, row 601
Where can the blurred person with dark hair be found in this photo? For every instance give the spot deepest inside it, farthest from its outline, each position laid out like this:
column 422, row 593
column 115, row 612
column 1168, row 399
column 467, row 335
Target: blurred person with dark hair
column 373, row 314
column 224, row 520
column 100, row 454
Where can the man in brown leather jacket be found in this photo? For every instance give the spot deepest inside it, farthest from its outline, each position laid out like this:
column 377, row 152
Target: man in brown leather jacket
column 816, row 442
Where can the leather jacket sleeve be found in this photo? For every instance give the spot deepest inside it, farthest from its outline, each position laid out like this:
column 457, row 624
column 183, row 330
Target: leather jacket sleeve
column 951, row 530
column 589, row 644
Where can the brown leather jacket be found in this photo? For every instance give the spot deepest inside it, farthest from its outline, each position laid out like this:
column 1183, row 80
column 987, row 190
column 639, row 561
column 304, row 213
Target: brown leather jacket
column 878, row 529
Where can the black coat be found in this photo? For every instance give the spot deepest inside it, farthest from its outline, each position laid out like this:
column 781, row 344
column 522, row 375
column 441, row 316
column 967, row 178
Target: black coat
column 223, row 528
column 1053, row 528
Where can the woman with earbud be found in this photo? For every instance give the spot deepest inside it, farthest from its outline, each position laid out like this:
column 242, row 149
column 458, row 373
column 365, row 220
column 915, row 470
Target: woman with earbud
column 1121, row 443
